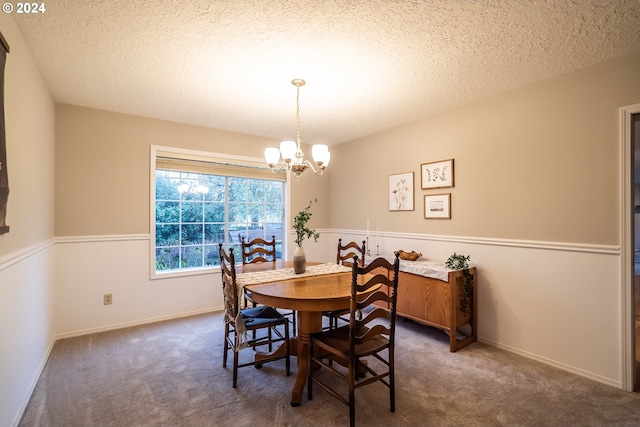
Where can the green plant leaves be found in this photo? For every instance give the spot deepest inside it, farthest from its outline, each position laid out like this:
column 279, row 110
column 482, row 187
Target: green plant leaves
column 300, row 225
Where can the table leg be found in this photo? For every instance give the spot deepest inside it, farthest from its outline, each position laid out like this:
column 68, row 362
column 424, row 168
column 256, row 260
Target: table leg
column 308, row 322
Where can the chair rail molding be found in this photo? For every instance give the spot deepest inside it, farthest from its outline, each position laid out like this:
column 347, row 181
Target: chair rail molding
column 17, row 256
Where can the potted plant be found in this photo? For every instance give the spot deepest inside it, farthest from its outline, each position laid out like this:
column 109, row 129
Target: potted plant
column 460, row 262
column 302, row 232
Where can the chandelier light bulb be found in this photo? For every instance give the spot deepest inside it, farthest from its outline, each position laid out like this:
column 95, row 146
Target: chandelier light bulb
column 272, row 156
column 320, row 152
column 288, row 150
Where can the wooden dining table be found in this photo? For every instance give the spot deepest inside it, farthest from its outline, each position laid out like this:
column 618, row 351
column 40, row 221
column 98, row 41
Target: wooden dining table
column 309, row 296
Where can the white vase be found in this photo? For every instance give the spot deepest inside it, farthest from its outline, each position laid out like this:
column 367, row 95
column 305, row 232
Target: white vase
column 299, row 260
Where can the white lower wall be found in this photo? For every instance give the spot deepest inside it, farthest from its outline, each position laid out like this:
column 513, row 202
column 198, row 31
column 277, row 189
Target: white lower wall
column 87, row 268
column 26, row 325
column 557, row 303
column 553, row 302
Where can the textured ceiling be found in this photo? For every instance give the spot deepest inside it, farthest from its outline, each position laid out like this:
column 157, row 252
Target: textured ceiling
column 369, row 64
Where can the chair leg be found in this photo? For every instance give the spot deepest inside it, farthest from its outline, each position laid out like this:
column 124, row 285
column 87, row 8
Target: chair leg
column 253, row 305
column 235, row 368
column 353, row 367
column 226, row 345
column 294, row 315
column 286, row 336
column 310, row 371
column 392, row 385
column 392, row 393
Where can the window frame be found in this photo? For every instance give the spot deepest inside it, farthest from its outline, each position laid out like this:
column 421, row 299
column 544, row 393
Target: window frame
column 187, row 154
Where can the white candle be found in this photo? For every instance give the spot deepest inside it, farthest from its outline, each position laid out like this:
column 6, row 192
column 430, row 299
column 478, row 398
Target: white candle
column 367, row 230
column 377, row 237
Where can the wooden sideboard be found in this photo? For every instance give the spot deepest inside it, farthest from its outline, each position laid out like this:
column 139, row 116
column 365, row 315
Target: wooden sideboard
column 437, row 303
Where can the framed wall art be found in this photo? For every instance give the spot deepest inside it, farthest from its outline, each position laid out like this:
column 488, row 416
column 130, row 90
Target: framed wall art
column 401, row 192
column 437, row 206
column 437, row 174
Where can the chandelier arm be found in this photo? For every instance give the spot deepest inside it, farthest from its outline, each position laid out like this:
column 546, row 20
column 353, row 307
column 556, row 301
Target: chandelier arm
column 283, row 165
column 317, row 171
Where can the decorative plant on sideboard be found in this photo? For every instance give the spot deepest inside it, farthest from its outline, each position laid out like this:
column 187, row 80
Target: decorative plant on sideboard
column 460, row 262
column 303, row 232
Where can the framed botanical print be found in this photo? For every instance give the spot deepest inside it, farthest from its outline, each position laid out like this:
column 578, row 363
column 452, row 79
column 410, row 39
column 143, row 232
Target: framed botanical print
column 437, row 206
column 437, row 174
column 401, row 194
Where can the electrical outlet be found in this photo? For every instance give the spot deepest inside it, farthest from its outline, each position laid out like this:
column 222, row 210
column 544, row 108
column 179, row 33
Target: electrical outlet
column 107, row 299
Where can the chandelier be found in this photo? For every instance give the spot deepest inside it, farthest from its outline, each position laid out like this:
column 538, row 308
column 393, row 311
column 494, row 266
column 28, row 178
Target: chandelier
column 292, row 155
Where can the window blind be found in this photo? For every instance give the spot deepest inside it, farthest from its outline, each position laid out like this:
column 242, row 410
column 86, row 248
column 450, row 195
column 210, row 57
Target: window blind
column 219, row 166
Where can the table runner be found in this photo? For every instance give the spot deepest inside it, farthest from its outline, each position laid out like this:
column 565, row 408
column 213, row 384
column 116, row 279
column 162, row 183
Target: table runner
column 266, row 276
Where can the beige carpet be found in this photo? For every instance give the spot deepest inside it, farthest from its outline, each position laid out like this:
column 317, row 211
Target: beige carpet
column 170, row 374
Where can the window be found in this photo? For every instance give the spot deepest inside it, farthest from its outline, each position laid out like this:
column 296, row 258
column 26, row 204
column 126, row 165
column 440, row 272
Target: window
column 200, row 203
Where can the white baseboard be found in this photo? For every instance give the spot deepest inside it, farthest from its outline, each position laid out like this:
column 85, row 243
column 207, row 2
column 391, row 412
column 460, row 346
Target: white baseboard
column 136, row 323
column 32, row 385
column 553, row 363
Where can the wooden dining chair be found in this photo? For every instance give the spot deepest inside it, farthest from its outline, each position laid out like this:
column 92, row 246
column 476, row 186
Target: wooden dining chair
column 260, row 250
column 257, row 250
column 366, row 344
column 345, row 257
column 238, row 322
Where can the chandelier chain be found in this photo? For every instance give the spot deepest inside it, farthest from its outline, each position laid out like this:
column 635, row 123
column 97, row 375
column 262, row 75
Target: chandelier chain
column 298, row 139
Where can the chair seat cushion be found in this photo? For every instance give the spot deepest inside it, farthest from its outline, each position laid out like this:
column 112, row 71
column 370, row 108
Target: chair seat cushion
column 339, row 339
column 261, row 315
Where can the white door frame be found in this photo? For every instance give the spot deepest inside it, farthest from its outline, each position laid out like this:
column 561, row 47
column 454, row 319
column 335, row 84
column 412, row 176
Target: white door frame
column 627, row 329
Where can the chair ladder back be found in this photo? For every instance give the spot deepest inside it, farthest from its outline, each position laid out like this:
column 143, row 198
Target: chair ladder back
column 358, row 251
column 370, row 323
column 258, row 250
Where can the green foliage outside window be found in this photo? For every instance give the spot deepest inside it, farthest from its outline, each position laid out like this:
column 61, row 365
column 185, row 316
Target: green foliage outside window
column 195, row 212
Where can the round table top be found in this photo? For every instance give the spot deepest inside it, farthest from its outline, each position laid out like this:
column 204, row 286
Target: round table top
column 313, row 293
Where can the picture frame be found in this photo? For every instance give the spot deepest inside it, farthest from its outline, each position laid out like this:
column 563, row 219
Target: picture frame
column 438, row 174
column 401, row 192
column 437, row 206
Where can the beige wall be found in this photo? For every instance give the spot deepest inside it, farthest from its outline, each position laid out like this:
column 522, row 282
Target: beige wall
column 27, row 251
column 29, row 121
column 538, row 163
column 102, row 168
